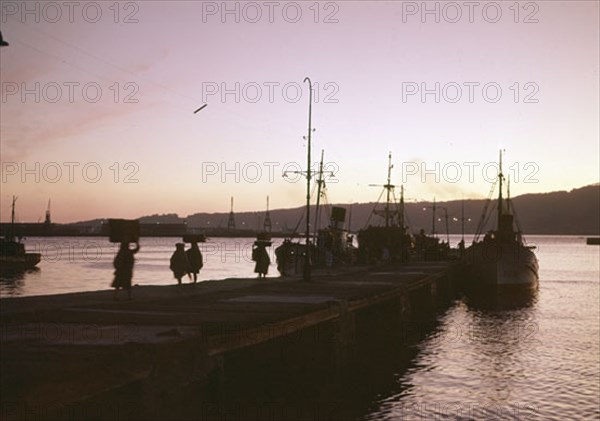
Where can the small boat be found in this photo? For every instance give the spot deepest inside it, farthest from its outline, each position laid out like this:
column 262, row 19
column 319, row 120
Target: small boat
column 13, row 256
column 502, row 260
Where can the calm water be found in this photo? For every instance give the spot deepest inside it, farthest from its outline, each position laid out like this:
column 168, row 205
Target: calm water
column 71, row 264
column 538, row 361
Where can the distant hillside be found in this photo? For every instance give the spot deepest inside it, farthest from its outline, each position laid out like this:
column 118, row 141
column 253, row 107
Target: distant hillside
column 576, row 212
column 568, row 213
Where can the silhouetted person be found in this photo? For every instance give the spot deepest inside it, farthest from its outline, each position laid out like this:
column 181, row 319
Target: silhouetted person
column 2, row 42
column 123, row 264
column 281, row 254
column 179, row 263
column 195, row 259
column 261, row 257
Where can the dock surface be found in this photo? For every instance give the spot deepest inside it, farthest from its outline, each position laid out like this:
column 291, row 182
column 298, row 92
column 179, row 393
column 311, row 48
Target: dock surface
column 60, row 350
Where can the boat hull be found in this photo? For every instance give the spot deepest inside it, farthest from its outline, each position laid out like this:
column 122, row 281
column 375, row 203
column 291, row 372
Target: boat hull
column 502, row 266
column 27, row 261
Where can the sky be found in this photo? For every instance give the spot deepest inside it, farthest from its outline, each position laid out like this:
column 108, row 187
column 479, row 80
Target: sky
column 98, row 100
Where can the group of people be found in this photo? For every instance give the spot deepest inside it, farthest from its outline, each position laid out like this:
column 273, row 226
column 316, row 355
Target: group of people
column 183, row 262
column 186, row 262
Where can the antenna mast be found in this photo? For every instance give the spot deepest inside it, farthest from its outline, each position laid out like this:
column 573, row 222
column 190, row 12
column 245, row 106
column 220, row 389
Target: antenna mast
column 500, row 204
column 231, row 220
column 48, row 221
column 267, row 223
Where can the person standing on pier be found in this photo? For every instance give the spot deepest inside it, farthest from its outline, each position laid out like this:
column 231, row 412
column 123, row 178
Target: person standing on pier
column 261, row 257
column 179, row 263
column 195, row 259
column 123, row 264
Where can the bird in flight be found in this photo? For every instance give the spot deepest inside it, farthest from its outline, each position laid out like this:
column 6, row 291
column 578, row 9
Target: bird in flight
column 201, row 108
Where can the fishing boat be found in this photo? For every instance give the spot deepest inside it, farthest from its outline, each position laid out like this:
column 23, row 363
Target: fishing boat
column 390, row 242
column 502, row 260
column 13, row 256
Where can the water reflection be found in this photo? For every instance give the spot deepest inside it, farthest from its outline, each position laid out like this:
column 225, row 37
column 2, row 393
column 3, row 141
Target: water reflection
column 503, row 332
column 12, row 281
column 498, row 301
column 470, row 365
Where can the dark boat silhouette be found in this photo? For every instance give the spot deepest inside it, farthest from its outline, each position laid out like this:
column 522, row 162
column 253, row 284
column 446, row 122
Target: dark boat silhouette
column 502, row 260
column 13, row 256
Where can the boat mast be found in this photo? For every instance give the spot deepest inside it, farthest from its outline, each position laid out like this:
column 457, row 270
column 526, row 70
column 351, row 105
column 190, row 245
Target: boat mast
column 462, row 219
column 350, row 219
column 508, row 194
column 320, row 183
column 401, row 213
column 48, row 221
column 500, row 204
column 267, row 222
column 12, row 219
column 307, row 263
column 231, row 220
column 447, row 226
column 433, row 219
column 389, row 188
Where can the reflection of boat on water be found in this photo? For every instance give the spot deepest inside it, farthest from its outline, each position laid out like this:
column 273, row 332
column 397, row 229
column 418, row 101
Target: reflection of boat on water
column 503, row 299
column 14, row 278
column 13, row 256
column 501, row 260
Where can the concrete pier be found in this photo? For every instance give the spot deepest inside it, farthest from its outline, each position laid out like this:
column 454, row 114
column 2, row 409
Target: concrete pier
column 184, row 351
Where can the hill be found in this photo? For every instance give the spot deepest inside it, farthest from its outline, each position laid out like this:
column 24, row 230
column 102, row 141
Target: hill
column 576, row 212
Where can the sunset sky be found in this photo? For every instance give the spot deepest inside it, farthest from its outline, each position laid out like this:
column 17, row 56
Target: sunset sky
column 98, row 99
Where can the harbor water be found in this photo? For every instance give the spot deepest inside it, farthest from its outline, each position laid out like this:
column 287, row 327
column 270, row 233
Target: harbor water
column 537, row 360
column 75, row 264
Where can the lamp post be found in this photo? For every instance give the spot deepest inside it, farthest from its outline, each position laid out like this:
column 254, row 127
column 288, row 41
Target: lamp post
column 307, row 262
